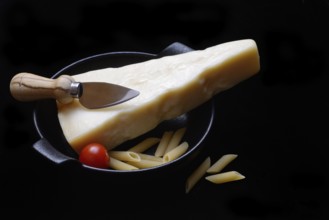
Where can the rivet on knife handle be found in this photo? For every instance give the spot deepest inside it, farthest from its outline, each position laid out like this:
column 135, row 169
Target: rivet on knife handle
column 31, row 87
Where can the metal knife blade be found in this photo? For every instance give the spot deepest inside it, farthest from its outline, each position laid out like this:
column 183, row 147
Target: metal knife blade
column 92, row 95
column 95, row 95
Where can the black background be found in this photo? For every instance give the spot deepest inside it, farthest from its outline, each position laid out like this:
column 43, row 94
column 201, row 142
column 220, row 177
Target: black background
column 277, row 121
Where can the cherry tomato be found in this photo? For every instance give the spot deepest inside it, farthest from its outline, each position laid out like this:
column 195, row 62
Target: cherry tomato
column 95, row 155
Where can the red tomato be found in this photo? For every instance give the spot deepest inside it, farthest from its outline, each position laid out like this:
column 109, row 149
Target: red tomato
column 95, row 155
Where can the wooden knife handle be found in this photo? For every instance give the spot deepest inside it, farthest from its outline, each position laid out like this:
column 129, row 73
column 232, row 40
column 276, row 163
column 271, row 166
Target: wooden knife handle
column 30, row 87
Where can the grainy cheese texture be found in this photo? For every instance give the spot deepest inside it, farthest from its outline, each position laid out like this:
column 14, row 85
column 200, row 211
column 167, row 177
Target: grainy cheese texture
column 168, row 86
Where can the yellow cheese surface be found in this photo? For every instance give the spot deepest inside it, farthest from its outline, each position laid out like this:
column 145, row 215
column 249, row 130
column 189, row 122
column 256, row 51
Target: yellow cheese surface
column 168, row 86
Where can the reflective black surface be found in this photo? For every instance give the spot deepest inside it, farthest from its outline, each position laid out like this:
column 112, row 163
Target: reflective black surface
column 276, row 121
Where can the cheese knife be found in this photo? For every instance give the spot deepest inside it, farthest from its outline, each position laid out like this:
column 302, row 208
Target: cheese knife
column 92, row 95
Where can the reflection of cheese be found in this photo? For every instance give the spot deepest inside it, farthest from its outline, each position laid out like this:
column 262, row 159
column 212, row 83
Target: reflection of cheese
column 168, row 86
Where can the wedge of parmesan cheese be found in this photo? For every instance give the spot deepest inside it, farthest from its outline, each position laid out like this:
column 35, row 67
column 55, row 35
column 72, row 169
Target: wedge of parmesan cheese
column 168, row 86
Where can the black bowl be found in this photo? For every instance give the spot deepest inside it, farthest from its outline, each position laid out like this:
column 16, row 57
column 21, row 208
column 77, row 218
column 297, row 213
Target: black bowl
column 54, row 146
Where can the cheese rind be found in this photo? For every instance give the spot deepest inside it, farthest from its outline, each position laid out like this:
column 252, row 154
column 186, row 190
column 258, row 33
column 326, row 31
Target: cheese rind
column 168, row 86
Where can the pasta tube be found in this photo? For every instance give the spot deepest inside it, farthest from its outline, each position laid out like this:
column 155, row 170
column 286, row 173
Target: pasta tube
column 119, row 165
column 225, row 177
column 221, row 163
column 145, row 163
column 125, row 155
column 197, row 174
column 150, row 157
column 165, row 139
column 176, row 152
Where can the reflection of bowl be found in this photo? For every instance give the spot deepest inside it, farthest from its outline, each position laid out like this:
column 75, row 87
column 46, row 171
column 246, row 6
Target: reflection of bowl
column 54, row 146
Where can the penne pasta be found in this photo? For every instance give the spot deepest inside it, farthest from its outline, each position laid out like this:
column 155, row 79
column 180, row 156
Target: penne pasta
column 145, row 163
column 176, row 139
column 225, row 177
column 150, row 157
column 125, row 155
column 197, row 174
column 145, row 144
column 176, row 152
column 164, row 141
column 221, row 163
column 119, row 165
